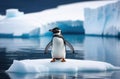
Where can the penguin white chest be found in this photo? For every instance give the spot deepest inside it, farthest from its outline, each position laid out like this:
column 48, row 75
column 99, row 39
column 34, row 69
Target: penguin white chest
column 58, row 48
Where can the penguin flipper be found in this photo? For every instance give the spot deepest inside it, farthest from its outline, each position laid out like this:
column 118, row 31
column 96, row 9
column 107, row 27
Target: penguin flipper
column 47, row 47
column 70, row 46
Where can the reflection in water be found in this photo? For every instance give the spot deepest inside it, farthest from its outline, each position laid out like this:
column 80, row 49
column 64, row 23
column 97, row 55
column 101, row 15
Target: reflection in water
column 100, row 75
column 94, row 48
column 112, row 50
column 17, row 43
column 102, row 49
column 38, row 43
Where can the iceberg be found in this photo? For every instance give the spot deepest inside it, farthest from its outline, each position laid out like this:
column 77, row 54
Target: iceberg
column 72, row 65
column 103, row 20
column 13, row 13
column 17, row 23
column 28, row 25
column 66, row 27
column 35, row 32
column 1, row 17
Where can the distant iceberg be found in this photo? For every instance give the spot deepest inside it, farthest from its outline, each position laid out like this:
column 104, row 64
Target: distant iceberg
column 2, row 17
column 67, row 27
column 28, row 25
column 104, row 20
column 13, row 13
column 97, row 21
column 17, row 23
column 71, row 65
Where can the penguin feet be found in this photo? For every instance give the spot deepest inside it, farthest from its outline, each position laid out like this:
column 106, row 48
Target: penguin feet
column 63, row 60
column 53, row 60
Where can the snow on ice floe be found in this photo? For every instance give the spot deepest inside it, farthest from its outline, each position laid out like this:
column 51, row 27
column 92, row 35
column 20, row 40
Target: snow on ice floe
column 71, row 65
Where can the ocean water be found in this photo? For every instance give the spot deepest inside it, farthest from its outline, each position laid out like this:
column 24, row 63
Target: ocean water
column 105, row 49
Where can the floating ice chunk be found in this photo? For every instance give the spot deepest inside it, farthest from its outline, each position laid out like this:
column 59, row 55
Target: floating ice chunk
column 13, row 13
column 72, row 65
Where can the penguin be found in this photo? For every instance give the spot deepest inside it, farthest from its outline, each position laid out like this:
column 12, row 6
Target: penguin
column 58, row 44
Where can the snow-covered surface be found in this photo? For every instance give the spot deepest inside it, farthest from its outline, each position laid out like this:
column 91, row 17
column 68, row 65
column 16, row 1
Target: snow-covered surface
column 104, row 20
column 1, row 17
column 71, row 65
column 18, row 23
column 13, row 13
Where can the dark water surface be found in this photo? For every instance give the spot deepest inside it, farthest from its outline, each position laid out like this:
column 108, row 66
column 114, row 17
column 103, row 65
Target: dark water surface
column 86, row 48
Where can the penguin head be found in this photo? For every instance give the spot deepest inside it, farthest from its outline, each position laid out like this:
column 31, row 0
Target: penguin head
column 55, row 30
